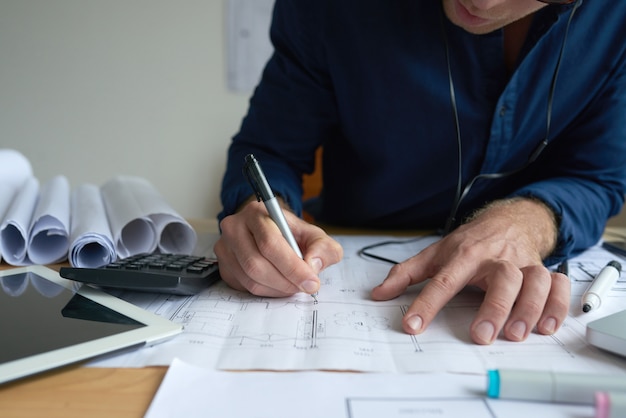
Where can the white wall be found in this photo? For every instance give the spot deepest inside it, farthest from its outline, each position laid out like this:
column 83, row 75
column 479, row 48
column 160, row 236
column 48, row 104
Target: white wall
column 95, row 88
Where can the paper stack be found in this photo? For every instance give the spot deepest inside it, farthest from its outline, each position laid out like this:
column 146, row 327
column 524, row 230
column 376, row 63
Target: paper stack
column 91, row 225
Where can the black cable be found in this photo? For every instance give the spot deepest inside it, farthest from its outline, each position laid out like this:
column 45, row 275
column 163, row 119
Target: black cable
column 533, row 156
column 364, row 252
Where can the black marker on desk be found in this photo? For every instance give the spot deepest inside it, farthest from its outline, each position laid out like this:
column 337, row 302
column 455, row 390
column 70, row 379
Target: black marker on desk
column 601, row 284
column 254, row 174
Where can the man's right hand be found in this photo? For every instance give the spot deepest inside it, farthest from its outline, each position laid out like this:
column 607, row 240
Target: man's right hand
column 254, row 256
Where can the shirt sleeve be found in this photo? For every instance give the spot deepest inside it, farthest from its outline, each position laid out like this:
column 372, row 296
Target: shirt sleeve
column 586, row 183
column 295, row 78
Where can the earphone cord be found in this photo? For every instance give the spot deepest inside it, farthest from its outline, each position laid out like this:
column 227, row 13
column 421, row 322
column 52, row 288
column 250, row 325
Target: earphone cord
column 459, row 196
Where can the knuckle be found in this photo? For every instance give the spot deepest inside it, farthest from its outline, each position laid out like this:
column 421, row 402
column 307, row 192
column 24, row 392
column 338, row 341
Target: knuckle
column 337, row 250
column 531, row 307
column 445, row 283
column 227, row 224
column 254, row 288
column 251, row 267
column 470, row 251
column 500, row 307
column 427, row 310
column 397, row 269
column 560, row 306
column 508, row 271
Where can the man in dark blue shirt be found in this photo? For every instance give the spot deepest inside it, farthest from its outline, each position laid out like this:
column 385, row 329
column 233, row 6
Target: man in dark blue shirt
column 502, row 122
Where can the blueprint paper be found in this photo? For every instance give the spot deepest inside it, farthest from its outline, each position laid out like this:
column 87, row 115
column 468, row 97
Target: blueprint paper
column 230, row 330
column 7, row 192
column 49, row 233
column 93, row 226
column 91, row 239
column 36, row 226
column 15, row 169
column 190, row 391
column 15, row 227
column 142, row 221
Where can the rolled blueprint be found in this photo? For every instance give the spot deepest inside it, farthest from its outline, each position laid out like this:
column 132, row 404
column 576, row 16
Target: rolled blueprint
column 90, row 235
column 50, row 228
column 15, row 227
column 142, row 221
column 15, row 169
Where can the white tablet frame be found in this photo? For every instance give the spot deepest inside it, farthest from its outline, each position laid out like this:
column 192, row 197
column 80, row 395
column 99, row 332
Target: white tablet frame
column 157, row 329
column 608, row 333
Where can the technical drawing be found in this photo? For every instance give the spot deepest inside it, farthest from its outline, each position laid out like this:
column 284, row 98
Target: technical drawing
column 347, row 330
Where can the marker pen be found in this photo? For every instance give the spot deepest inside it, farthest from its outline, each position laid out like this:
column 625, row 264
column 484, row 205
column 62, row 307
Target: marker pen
column 549, row 386
column 600, row 286
column 610, row 404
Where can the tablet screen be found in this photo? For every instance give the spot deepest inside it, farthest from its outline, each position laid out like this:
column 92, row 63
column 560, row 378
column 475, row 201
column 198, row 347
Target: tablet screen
column 47, row 321
column 41, row 316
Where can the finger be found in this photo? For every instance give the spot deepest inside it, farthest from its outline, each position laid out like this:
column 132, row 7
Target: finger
column 530, row 303
column 557, row 305
column 319, row 249
column 243, row 266
column 412, row 271
column 259, row 289
column 504, row 282
column 234, row 276
column 285, row 262
column 432, row 298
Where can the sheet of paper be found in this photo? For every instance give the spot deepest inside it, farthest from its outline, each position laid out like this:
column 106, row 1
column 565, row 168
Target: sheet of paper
column 190, row 391
column 249, row 47
column 346, row 330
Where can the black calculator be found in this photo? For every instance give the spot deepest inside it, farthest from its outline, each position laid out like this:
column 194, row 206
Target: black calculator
column 163, row 273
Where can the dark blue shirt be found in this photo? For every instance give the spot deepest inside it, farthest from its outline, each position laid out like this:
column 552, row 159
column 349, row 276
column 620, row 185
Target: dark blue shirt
column 368, row 80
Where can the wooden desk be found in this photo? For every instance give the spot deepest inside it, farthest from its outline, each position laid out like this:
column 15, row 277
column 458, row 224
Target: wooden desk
column 77, row 391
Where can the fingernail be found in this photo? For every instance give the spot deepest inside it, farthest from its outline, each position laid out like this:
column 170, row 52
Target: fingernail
column 485, row 332
column 316, row 264
column 518, row 330
column 549, row 326
column 309, row 286
column 414, row 323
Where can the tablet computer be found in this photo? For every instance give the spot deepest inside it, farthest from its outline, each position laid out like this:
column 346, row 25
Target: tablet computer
column 609, row 333
column 47, row 322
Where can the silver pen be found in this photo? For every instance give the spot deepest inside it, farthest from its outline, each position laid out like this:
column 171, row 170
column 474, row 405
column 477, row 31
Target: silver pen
column 256, row 178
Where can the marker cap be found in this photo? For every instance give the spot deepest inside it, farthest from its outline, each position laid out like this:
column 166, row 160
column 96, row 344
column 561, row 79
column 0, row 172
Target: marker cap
column 610, row 404
column 493, row 384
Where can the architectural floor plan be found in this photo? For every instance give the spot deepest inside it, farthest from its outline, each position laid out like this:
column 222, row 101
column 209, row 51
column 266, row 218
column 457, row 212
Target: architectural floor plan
column 346, row 330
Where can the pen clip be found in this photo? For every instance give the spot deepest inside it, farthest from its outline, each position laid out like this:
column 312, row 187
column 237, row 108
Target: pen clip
column 253, row 173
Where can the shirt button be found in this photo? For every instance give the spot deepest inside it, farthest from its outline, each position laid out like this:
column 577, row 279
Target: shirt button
column 502, row 110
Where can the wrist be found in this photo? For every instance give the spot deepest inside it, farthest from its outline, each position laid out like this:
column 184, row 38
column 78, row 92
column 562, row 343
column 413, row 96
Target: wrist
column 524, row 215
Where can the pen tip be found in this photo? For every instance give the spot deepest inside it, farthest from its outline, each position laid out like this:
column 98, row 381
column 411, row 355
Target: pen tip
column 314, row 299
column 586, row 307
